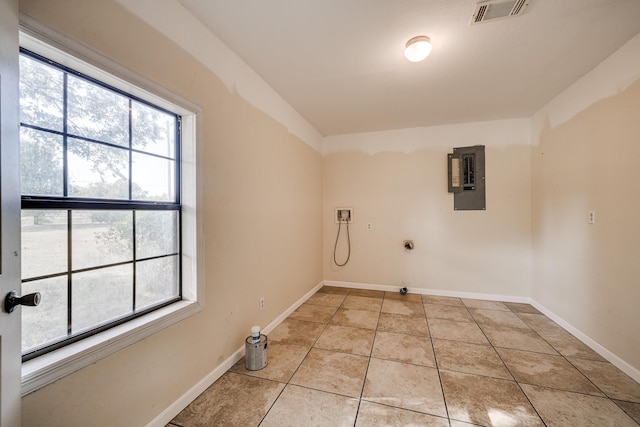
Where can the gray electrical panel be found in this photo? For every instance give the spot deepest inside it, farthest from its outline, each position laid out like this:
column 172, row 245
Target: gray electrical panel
column 466, row 178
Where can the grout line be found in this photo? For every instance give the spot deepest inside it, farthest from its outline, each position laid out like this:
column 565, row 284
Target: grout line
column 366, row 372
column 511, row 373
column 435, row 358
column 561, row 355
column 273, row 404
column 304, row 358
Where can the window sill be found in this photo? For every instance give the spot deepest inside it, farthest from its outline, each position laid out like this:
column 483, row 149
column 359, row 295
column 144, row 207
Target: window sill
column 44, row 370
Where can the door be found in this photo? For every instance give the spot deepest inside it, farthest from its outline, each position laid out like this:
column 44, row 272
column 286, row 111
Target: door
column 10, row 359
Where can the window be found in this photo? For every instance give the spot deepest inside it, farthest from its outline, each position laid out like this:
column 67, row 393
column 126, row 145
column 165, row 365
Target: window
column 101, row 205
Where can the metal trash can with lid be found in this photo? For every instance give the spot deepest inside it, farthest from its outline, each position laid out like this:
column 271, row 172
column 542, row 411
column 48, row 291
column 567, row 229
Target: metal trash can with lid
column 255, row 353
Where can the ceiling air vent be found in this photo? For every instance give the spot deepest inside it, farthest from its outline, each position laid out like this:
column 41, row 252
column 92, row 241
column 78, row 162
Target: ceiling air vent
column 498, row 9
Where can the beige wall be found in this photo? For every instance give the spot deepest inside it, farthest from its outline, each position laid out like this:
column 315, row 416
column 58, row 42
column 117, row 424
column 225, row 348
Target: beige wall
column 585, row 158
column 262, row 229
column 268, row 195
column 534, row 240
column 397, row 181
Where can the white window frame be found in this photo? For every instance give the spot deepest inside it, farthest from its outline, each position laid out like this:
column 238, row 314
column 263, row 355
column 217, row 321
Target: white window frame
column 45, row 369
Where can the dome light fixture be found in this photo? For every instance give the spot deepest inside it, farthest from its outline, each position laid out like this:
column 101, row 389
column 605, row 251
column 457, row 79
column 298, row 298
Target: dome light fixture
column 417, row 48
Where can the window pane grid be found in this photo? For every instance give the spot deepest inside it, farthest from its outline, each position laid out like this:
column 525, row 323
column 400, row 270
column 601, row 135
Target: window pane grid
column 108, row 280
column 136, row 309
column 82, row 270
column 95, row 141
column 65, row 136
column 134, row 240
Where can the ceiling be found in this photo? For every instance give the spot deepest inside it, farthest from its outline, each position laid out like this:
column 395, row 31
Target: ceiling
column 340, row 63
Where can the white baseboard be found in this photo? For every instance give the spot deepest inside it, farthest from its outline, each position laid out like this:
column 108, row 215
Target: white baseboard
column 271, row 326
column 174, row 409
column 590, row 342
column 366, row 286
column 183, row 401
column 594, row 345
column 423, row 291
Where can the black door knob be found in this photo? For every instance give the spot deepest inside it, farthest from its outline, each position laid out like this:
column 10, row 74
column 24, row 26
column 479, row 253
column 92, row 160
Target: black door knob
column 12, row 300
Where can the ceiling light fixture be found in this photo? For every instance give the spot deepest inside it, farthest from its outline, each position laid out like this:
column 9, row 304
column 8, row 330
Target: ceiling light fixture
column 417, row 48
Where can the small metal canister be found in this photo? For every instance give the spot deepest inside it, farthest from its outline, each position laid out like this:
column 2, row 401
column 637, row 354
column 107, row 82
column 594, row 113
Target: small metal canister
column 255, row 353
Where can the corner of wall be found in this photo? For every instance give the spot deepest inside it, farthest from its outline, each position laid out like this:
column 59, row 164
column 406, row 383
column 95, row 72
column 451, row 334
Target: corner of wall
column 174, row 21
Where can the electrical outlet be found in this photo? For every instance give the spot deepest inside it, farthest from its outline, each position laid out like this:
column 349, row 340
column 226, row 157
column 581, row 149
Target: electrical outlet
column 592, row 217
column 261, row 303
column 369, row 226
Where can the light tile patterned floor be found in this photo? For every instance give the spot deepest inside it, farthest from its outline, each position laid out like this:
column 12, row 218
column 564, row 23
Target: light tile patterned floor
column 350, row 357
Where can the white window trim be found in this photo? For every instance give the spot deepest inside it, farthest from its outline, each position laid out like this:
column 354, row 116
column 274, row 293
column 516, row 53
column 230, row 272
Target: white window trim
column 45, row 369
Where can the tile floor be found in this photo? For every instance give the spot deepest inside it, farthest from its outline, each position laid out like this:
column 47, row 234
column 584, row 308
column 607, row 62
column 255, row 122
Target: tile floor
column 350, row 357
